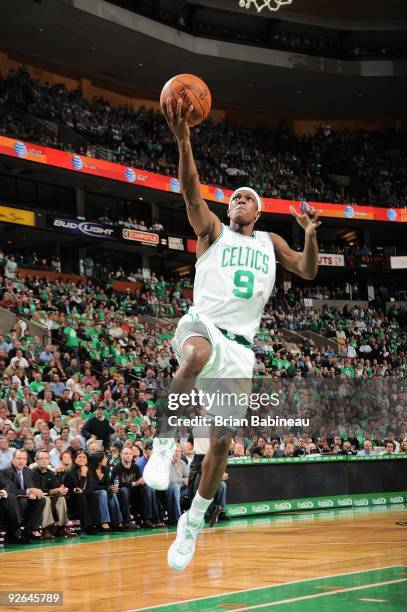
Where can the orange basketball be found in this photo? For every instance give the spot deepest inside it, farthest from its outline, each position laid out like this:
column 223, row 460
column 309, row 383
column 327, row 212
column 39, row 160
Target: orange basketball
column 192, row 90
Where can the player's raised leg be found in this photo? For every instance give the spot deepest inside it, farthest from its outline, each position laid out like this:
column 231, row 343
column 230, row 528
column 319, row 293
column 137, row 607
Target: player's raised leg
column 182, row 550
column 196, row 353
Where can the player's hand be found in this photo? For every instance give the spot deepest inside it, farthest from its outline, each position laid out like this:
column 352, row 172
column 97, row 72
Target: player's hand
column 178, row 121
column 308, row 220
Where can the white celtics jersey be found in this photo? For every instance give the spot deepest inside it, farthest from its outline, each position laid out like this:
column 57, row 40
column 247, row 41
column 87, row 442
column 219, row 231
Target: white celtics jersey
column 234, row 279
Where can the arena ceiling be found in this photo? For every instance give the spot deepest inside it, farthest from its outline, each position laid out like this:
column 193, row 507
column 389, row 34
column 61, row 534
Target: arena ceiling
column 58, row 36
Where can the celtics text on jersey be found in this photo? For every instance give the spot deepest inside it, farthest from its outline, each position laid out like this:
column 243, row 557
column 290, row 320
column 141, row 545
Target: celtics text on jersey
column 234, row 279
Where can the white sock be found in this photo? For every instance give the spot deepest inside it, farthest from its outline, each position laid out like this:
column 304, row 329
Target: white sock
column 198, row 508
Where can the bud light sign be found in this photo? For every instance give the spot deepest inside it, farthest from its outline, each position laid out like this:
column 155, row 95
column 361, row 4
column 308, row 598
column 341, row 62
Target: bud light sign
column 80, row 228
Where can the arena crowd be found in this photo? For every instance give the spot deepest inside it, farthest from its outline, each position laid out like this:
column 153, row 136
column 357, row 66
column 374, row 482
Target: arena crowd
column 279, row 164
column 82, row 396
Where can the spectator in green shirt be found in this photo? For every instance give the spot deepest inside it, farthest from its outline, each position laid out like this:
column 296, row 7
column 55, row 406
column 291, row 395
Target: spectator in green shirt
column 37, row 385
column 50, row 405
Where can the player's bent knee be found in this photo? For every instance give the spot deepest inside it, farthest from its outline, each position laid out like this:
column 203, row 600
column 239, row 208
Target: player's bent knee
column 197, row 352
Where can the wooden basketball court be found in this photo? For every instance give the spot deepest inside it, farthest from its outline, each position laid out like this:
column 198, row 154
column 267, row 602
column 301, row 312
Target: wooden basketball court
column 354, row 559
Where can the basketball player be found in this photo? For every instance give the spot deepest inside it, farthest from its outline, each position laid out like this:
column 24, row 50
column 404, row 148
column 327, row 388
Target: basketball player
column 235, row 275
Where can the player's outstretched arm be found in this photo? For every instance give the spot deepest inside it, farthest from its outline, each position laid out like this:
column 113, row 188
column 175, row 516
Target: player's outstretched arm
column 303, row 264
column 204, row 222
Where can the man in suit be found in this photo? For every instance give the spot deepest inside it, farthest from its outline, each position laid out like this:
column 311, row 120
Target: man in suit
column 9, row 512
column 19, row 480
column 14, row 403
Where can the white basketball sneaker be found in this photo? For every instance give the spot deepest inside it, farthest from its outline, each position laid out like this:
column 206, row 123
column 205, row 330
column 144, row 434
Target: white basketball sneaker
column 181, row 551
column 157, row 470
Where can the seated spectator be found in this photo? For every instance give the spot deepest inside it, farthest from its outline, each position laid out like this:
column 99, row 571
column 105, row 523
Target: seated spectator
column 14, row 403
column 151, row 514
column 268, row 451
column 347, row 449
column 337, row 442
column 65, row 464
column 50, row 404
column 74, row 385
column 29, row 447
column 390, row 437
column 126, row 474
column 6, row 453
column 238, row 450
column 301, row 450
column 109, row 508
column 55, row 453
column 65, row 403
column 187, row 453
column 30, row 499
column 55, row 502
column 75, row 444
column 90, row 379
column 47, row 354
column 43, row 439
column 10, row 514
column 287, row 452
column 367, row 449
column 216, row 509
column 322, row 445
column 82, row 501
column 39, row 413
column 377, row 441
column 178, row 486
column 390, row 448
column 256, row 452
column 94, row 446
column 4, row 416
column 25, row 415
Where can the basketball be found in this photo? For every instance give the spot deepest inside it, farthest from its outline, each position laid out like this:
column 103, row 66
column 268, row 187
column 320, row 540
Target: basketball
column 192, row 90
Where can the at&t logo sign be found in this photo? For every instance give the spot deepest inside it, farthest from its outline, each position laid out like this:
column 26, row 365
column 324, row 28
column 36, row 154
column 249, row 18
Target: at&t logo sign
column 20, row 149
column 349, row 212
column 77, row 162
